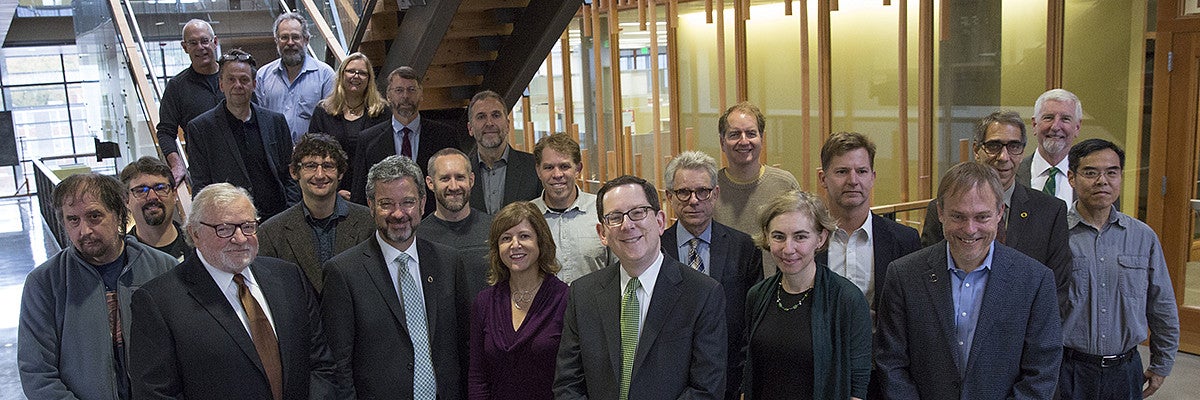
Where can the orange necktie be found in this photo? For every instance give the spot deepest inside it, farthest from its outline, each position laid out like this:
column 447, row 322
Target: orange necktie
column 263, row 336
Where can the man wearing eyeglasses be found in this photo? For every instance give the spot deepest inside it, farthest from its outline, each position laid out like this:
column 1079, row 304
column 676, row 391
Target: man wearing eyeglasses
column 721, row 252
column 190, row 93
column 75, row 315
column 649, row 327
column 293, row 84
column 1033, row 222
column 568, row 209
column 323, row 224
column 226, row 323
column 152, row 201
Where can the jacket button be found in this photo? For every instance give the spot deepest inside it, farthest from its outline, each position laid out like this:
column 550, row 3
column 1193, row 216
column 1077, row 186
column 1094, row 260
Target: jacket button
column 410, row 366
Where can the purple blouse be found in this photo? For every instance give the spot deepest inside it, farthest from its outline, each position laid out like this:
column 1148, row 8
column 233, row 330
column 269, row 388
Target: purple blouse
column 515, row 364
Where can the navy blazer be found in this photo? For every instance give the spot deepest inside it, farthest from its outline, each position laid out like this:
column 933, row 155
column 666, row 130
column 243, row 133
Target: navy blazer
column 186, row 341
column 1037, row 226
column 681, row 350
column 891, row 241
column 214, row 156
column 736, row 263
column 1017, row 345
column 520, row 179
column 378, row 142
column 367, row 328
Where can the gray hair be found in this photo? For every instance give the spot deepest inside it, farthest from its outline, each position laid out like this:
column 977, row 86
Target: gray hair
column 392, row 168
column 1005, row 117
column 202, row 23
column 1058, row 95
column 295, row 16
column 212, row 198
column 691, row 160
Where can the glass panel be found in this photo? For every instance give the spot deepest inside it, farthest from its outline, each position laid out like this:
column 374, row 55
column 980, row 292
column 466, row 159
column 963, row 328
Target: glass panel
column 699, row 75
column 23, row 69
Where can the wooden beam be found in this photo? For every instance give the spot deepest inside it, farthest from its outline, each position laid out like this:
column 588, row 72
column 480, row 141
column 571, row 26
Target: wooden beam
column 902, row 109
column 331, row 40
column 603, row 157
column 655, row 89
column 721, row 79
column 925, row 95
column 551, row 129
column 614, row 72
column 741, row 14
column 805, row 93
column 824, row 86
column 568, row 91
column 419, row 37
column 1055, row 15
column 673, row 72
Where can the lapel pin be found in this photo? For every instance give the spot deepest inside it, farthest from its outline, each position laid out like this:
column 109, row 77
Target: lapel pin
column 933, row 277
column 1024, row 214
column 429, row 279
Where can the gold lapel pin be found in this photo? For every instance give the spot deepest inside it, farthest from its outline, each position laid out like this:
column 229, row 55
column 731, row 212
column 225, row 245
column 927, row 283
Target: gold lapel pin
column 1024, row 214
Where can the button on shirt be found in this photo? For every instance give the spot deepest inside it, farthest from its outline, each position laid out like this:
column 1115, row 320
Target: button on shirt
column 967, row 292
column 229, row 288
column 1039, row 169
column 414, row 265
column 682, row 236
column 579, row 250
column 414, row 137
column 852, row 255
column 644, row 293
column 1119, row 287
column 296, row 99
column 493, row 181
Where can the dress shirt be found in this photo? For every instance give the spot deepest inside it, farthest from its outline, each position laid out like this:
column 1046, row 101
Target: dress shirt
column 967, row 290
column 414, row 265
column 644, row 293
column 414, row 138
column 682, row 236
column 493, row 181
column 229, row 288
column 1038, row 171
column 325, row 230
column 1119, row 288
column 296, row 99
column 852, row 255
column 574, row 230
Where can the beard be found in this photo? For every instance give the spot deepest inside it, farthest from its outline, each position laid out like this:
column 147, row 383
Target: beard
column 236, row 263
column 1054, row 145
column 291, row 58
column 151, row 218
column 453, row 205
column 397, row 235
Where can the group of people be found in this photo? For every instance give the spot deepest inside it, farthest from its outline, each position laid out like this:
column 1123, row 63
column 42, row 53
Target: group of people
column 356, row 284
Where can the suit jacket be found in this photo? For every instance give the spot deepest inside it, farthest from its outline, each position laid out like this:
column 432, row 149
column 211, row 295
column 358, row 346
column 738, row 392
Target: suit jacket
column 1037, row 226
column 681, row 351
column 367, row 325
column 378, row 142
column 1025, row 170
column 214, row 155
column 891, row 241
column 736, row 263
column 289, row 236
column 1017, row 345
column 186, row 341
column 520, row 179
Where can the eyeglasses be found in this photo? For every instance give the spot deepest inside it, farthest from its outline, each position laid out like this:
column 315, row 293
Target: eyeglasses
column 356, row 72
column 312, row 166
column 686, row 194
column 1092, row 174
column 237, row 57
column 200, row 42
column 993, row 147
column 289, row 38
column 225, row 231
column 616, row 218
column 161, row 189
column 390, row 206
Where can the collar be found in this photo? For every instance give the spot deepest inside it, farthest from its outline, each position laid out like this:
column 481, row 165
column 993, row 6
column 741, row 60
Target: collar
column 230, row 117
column 308, row 65
column 1039, row 165
column 222, row 278
column 390, row 253
column 868, row 228
column 414, row 126
column 987, row 261
column 1114, row 217
column 682, row 236
column 648, row 277
column 340, row 209
column 584, row 202
column 503, row 157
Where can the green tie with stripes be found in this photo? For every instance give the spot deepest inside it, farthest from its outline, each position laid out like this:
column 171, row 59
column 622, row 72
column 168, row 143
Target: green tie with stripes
column 1051, row 182
column 629, row 334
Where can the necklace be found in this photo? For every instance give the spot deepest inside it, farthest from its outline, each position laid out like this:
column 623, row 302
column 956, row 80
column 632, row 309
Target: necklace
column 779, row 298
column 523, row 298
column 354, row 110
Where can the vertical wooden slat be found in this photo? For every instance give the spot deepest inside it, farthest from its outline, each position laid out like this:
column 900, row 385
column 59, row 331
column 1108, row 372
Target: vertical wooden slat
column 611, row 171
column 787, row 7
column 902, row 10
column 655, row 97
column 805, row 94
column 689, row 135
column 627, row 148
column 553, row 114
column 568, row 90
column 614, row 68
column 526, row 123
column 587, row 20
column 641, row 7
column 824, row 88
column 964, row 150
column 739, row 48
column 530, row 137
column 925, row 103
column 598, row 92
column 708, row 11
column 673, row 72
column 1055, row 14
column 721, row 83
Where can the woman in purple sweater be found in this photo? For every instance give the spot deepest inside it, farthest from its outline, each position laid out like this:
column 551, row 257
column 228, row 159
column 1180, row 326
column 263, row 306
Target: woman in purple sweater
column 516, row 322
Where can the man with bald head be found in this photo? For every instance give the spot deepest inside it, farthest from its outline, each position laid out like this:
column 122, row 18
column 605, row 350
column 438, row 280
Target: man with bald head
column 190, row 93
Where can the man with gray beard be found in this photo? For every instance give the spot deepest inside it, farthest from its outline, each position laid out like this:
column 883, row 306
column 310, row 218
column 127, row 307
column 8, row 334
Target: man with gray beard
column 293, row 84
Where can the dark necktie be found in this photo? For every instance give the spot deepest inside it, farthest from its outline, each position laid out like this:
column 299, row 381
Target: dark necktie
column 1051, row 182
column 405, row 142
column 263, row 336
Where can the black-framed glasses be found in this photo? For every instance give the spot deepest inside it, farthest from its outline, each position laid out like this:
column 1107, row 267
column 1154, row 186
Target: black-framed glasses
column 616, row 218
column 993, row 147
column 225, row 231
column 312, row 166
column 161, row 189
column 686, row 194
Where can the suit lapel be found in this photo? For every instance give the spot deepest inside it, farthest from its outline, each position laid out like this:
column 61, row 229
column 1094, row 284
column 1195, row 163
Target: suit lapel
column 993, row 305
column 300, row 242
column 1018, row 219
column 937, row 287
column 669, row 246
column 666, row 293
column 717, row 255
column 608, row 303
column 885, row 249
column 430, row 265
column 271, row 285
column 204, row 290
column 377, row 270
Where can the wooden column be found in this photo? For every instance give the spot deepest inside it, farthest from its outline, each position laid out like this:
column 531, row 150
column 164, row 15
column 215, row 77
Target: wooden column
column 1055, row 14
column 902, row 146
column 823, row 67
column 568, row 91
column 925, row 109
column 655, row 98
column 614, row 68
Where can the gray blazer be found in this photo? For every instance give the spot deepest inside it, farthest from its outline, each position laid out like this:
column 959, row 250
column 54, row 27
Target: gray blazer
column 289, row 236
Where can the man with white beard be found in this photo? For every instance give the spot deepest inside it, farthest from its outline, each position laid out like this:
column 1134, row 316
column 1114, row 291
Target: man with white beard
column 1056, row 122
column 293, row 84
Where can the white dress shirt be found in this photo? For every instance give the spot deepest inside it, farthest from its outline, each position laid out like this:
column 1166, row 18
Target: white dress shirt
column 229, row 288
column 852, row 255
column 1038, row 174
column 414, row 265
column 646, row 292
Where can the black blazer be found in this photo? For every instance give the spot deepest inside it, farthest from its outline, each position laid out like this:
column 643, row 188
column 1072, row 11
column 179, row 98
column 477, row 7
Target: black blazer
column 681, row 351
column 377, row 143
column 288, row 235
column 366, row 321
column 520, row 179
column 736, row 263
column 891, row 241
column 214, row 155
column 186, row 341
column 1037, row 226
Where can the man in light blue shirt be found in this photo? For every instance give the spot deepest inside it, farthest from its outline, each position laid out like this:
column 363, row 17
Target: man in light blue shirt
column 295, row 83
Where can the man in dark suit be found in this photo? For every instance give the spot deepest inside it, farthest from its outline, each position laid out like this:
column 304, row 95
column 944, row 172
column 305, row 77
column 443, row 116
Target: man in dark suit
column 1033, row 223
column 721, row 252
column 389, row 302
column 502, row 174
column 323, row 224
column 241, row 143
column 649, row 328
column 968, row 317
column 1057, row 118
column 226, row 324
column 407, row 134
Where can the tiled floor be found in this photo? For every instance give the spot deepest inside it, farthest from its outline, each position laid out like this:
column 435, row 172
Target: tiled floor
column 25, row 244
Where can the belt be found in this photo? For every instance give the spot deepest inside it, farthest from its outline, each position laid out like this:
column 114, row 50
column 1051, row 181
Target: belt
column 1101, row 361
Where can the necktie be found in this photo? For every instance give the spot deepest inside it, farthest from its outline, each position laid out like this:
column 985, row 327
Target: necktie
column 263, row 337
column 405, row 142
column 1050, row 181
column 630, row 310
column 694, row 260
column 424, row 382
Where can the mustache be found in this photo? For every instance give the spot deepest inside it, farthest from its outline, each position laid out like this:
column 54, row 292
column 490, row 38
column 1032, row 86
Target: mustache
column 153, row 203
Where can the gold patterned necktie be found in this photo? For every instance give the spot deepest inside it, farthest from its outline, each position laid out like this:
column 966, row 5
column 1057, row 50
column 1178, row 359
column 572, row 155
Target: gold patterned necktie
column 263, row 337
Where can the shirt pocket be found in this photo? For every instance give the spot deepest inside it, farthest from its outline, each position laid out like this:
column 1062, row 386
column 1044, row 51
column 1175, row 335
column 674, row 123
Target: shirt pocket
column 1081, row 280
column 1134, row 278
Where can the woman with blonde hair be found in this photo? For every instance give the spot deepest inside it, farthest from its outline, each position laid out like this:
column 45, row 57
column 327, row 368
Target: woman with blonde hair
column 353, row 105
column 516, row 322
column 808, row 330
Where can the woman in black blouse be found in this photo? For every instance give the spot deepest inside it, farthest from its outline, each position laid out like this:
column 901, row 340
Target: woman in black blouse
column 354, row 105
